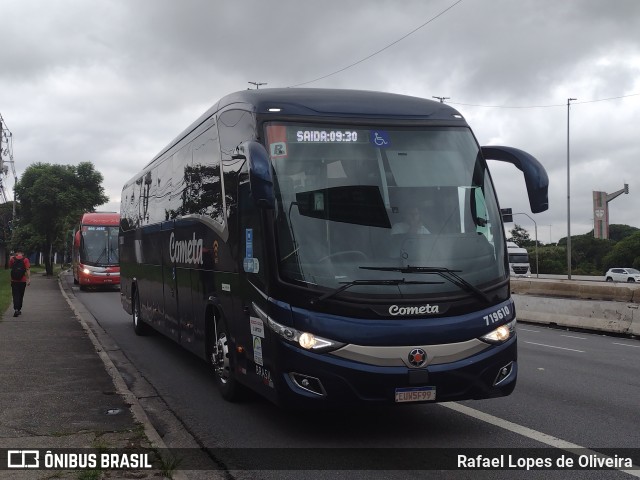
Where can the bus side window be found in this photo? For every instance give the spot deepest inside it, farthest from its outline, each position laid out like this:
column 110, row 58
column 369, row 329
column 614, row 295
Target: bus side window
column 206, row 192
column 235, row 127
column 164, row 190
column 180, row 175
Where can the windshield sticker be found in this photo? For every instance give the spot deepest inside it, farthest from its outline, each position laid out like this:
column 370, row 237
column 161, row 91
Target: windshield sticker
column 277, row 138
column 257, row 350
column 251, row 265
column 380, row 138
column 257, row 327
column 278, row 150
column 249, row 243
column 265, row 375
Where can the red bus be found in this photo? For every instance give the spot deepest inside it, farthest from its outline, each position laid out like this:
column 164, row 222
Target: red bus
column 95, row 250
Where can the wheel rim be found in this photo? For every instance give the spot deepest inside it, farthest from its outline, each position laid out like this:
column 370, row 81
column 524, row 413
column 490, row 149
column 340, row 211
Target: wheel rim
column 220, row 358
column 136, row 311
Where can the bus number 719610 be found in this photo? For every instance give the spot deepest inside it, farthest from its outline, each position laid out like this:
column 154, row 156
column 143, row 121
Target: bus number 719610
column 496, row 316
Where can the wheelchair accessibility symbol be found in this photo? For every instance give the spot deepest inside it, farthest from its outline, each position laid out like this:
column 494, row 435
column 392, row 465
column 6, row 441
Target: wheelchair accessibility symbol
column 380, row 138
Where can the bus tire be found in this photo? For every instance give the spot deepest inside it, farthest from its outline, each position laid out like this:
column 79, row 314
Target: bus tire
column 139, row 326
column 220, row 359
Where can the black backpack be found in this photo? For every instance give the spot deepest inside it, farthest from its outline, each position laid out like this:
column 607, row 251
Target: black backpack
column 18, row 269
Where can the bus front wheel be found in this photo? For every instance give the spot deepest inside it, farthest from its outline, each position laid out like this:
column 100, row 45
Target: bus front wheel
column 220, row 360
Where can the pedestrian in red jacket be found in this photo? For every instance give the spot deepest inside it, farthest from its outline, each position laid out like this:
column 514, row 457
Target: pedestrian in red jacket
column 20, row 278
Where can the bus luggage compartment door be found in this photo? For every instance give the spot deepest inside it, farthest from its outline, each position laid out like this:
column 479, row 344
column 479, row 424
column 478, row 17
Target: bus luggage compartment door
column 169, row 277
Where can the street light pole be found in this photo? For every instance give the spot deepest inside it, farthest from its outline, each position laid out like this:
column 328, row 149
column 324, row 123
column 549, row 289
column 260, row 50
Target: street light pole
column 535, row 225
column 569, row 100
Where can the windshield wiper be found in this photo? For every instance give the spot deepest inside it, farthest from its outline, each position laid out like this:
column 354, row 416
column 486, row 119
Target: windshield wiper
column 444, row 272
column 400, row 281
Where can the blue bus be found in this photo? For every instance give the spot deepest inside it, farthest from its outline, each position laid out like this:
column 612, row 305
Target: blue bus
column 327, row 248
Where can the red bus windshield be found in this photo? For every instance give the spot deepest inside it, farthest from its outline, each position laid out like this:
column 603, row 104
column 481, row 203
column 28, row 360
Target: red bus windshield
column 99, row 245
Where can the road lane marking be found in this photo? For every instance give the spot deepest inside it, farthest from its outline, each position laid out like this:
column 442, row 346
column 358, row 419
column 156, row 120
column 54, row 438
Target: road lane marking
column 551, row 346
column 550, row 440
column 573, row 336
column 626, row 345
column 527, row 330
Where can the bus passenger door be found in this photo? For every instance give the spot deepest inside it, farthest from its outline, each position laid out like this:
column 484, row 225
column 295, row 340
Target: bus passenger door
column 252, row 333
column 169, row 272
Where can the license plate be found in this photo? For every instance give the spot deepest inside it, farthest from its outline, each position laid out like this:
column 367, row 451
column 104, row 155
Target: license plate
column 416, row 394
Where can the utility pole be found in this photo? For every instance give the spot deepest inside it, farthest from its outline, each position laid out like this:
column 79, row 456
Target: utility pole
column 442, row 99
column 257, row 84
column 569, row 100
column 6, row 150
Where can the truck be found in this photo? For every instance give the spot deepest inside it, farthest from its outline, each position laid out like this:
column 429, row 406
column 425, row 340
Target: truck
column 518, row 260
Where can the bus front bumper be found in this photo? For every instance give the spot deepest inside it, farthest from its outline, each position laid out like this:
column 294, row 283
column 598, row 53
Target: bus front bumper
column 309, row 379
column 98, row 279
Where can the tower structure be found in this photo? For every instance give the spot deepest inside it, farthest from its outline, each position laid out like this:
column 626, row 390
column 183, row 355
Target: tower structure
column 601, row 211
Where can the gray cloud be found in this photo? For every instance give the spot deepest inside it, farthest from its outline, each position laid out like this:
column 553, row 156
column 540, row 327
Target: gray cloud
column 113, row 82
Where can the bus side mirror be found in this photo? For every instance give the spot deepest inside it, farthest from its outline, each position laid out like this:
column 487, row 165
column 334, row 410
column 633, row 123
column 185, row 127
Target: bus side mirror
column 260, row 180
column 535, row 176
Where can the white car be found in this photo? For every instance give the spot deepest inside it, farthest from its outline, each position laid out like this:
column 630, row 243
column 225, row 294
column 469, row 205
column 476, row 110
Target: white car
column 622, row 275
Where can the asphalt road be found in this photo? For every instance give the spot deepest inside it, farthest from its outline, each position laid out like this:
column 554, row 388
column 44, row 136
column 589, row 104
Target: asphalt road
column 574, row 390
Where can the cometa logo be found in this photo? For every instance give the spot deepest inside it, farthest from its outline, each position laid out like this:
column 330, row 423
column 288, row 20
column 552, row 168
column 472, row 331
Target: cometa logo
column 415, row 310
column 185, row 251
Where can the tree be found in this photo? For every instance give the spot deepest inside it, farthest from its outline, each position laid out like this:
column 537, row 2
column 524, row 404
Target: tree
column 520, row 237
column 52, row 198
column 625, row 253
column 6, row 226
column 620, row 232
column 587, row 254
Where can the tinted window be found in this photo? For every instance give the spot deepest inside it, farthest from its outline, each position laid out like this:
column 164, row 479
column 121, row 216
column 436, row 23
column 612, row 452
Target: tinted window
column 203, row 195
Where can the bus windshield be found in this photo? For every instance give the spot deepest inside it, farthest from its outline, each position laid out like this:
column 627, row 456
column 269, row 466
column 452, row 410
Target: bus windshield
column 360, row 204
column 99, row 245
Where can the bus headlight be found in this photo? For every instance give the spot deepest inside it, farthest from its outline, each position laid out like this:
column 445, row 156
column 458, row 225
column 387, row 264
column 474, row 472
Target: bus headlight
column 500, row 334
column 306, row 340
column 86, row 271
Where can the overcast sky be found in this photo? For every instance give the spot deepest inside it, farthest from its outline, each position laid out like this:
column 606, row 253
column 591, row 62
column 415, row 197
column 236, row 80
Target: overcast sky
column 114, row 81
